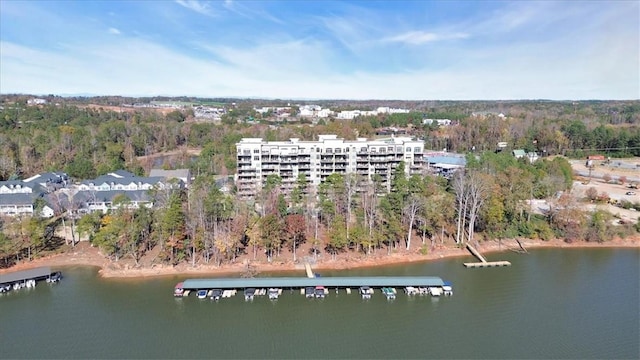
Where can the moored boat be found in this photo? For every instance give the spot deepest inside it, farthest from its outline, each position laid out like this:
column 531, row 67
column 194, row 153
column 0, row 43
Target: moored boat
column 320, row 292
column 54, row 277
column 178, row 291
column 390, row 293
column 201, row 294
column 447, row 288
column 274, row 293
column 249, row 293
column 216, row 294
column 366, row 292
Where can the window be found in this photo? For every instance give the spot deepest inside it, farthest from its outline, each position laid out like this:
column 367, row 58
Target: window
column 256, row 151
column 408, row 149
column 246, row 152
column 338, row 151
column 417, row 149
column 256, row 158
column 329, row 151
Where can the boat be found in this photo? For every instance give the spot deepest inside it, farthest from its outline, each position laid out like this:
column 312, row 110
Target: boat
column 309, row 292
column 447, row 288
column 249, row 293
column 410, row 290
column 54, row 277
column 201, row 294
column 16, row 286
column 366, row 292
column 274, row 293
column 390, row 293
column 228, row 293
column 216, row 294
column 319, row 292
column 178, row 291
column 435, row 291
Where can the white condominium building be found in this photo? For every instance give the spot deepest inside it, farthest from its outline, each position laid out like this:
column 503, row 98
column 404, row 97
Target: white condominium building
column 257, row 159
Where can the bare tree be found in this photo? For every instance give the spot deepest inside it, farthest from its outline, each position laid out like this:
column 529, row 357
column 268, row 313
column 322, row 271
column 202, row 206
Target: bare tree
column 478, row 192
column 413, row 206
column 462, row 197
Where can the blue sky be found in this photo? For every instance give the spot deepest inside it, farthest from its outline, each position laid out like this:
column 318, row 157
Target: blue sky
column 439, row 50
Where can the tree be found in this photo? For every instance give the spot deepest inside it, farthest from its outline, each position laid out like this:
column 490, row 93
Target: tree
column 592, row 193
column 295, row 229
column 413, row 206
column 271, row 230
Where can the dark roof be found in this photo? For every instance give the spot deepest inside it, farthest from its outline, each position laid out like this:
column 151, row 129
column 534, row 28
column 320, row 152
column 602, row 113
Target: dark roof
column 300, row 282
column 17, row 199
column 108, row 179
column 109, row 195
column 25, row 275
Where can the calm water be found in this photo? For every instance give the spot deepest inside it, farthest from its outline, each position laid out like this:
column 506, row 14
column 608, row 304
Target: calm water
column 549, row 304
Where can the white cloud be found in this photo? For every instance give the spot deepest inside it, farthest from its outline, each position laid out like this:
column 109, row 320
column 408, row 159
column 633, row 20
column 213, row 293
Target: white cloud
column 197, row 6
column 595, row 60
column 114, row 31
column 421, row 37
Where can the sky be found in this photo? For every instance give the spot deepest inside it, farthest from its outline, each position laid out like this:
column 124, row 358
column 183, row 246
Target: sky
column 402, row 50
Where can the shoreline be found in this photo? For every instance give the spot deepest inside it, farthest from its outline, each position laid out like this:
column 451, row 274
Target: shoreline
column 85, row 255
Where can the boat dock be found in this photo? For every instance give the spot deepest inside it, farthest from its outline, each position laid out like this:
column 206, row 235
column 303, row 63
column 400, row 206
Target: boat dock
column 40, row 273
column 27, row 278
column 304, row 282
column 483, row 262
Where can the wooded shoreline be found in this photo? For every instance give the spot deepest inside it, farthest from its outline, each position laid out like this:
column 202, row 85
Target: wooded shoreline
column 91, row 256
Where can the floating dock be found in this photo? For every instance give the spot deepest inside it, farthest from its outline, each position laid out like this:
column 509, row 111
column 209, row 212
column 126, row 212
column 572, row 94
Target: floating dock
column 483, row 262
column 486, row 264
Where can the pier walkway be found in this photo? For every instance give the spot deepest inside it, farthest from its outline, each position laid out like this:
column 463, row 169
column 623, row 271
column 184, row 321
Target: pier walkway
column 307, row 267
column 301, row 282
column 483, row 262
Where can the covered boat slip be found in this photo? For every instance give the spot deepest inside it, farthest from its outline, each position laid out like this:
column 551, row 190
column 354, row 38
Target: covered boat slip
column 19, row 276
column 300, row 282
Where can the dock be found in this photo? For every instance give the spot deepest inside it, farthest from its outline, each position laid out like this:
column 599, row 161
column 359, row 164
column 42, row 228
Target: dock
column 27, row 278
column 302, row 282
column 483, row 262
column 486, row 264
column 40, row 273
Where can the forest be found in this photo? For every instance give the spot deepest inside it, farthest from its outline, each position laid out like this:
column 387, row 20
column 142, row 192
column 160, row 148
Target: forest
column 205, row 225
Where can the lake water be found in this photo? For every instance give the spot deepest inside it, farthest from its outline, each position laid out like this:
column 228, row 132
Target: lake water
column 549, row 304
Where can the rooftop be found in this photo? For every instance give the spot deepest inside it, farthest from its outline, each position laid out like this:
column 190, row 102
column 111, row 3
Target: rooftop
column 301, row 282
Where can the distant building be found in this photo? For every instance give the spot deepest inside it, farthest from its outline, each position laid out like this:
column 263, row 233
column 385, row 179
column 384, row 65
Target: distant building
column 444, row 163
column 439, row 122
column 36, row 101
column 531, row 156
column 183, row 175
column 257, row 159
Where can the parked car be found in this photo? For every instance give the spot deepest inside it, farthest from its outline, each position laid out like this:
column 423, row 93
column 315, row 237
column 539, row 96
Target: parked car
column 631, row 193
